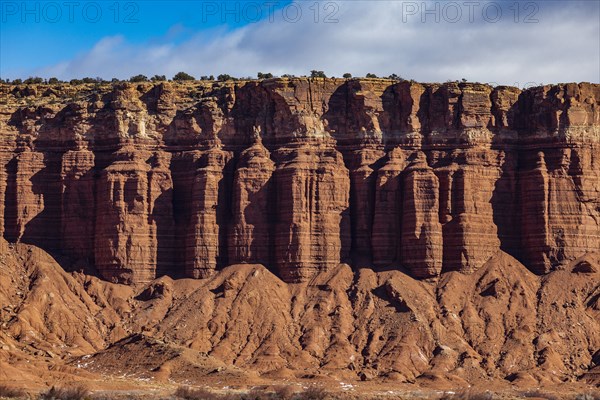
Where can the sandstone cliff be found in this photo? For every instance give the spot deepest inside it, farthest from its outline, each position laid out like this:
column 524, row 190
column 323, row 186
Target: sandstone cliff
column 349, row 229
column 136, row 181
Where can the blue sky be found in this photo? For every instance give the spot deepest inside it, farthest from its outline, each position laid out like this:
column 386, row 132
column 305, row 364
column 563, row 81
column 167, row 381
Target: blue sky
column 505, row 42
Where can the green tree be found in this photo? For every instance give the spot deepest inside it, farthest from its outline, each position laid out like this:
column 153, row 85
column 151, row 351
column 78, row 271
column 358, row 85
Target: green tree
column 17, row 81
column 370, row 75
column 53, row 81
column 32, row 80
column 158, row 78
column 182, row 76
column 267, row 75
column 138, row 78
column 317, row 74
column 347, row 75
column 225, row 77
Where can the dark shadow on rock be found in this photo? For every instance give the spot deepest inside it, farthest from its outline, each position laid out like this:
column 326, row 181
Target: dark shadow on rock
column 162, row 216
column 257, row 214
column 78, row 220
column 11, row 230
column 224, row 212
column 383, row 293
column 43, row 230
column 505, row 206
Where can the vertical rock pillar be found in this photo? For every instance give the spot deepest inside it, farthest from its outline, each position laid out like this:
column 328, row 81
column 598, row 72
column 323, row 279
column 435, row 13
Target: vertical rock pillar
column 126, row 242
column 313, row 190
column 422, row 242
column 249, row 238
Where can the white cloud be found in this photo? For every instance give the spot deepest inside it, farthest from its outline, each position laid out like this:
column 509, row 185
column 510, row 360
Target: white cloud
column 371, row 36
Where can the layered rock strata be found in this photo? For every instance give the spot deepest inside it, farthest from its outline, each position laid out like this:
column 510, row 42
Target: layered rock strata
column 136, row 181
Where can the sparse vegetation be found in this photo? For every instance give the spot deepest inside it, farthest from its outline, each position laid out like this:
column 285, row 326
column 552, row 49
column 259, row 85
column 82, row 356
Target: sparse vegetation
column 467, row 395
column 225, row 77
column 33, row 80
column 317, row 74
column 65, row 393
column 278, row 393
column 370, row 75
column 285, row 392
column 588, row 396
column 396, row 77
column 11, row 393
column 138, row 78
column 538, row 394
column 158, row 78
column 347, row 75
column 183, row 76
column 256, row 394
column 312, row 393
column 188, row 393
column 97, row 79
column 267, row 75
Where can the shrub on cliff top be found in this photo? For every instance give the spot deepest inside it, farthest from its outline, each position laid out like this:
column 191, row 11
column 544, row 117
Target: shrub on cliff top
column 396, row 77
column 267, row 75
column 97, row 79
column 317, row 74
column 182, row 76
column 138, row 78
column 31, row 80
column 225, row 77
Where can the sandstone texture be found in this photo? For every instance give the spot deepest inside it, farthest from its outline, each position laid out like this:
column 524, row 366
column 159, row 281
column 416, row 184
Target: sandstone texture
column 136, row 181
column 373, row 228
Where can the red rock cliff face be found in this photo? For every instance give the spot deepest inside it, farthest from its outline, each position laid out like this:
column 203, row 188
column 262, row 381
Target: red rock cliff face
column 301, row 175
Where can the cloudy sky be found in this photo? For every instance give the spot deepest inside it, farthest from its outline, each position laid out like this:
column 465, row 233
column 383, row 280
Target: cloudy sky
column 504, row 42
